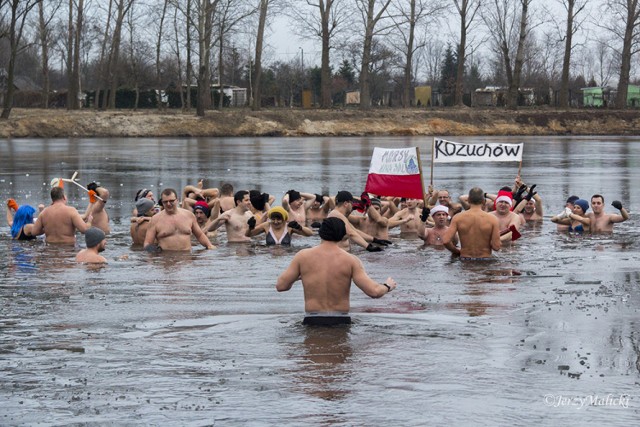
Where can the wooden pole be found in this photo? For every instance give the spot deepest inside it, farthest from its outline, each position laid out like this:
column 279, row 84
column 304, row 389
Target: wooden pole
column 433, row 149
column 424, row 196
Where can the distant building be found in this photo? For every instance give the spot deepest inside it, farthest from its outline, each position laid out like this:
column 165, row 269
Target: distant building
column 605, row 96
column 422, row 95
column 599, row 96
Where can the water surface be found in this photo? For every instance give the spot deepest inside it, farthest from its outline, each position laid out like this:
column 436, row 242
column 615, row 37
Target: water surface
column 204, row 339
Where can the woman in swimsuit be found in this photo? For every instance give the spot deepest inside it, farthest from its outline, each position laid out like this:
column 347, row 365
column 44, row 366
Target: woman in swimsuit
column 20, row 220
column 276, row 228
column 576, row 219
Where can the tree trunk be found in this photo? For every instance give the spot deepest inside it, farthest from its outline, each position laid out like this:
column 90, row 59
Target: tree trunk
column 189, row 71
column 257, row 80
column 158, row 46
column 16, row 25
column 325, row 66
column 103, row 64
column 72, row 94
column 408, row 66
column 75, row 72
column 627, row 52
column 462, row 47
column 517, row 66
column 566, row 63
column 44, row 48
column 115, row 52
column 371, row 21
column 205, row 19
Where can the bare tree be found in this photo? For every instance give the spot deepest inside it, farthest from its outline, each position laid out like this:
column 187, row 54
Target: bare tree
column 229, row 13
column 75, row 35
column 256, row 95
column 625, row 26
column 122, row 9
column 508, row 22
column 321, row 19
column 467, row 9
column 411, row 19
column 18, row 12
column 161, row 25
column 573, row 8
column 45, row 37
column 372, row 13
column 205, row 10
column 102, row 65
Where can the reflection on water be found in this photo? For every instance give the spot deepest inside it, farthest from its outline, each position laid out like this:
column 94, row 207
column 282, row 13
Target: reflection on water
column 204, row 339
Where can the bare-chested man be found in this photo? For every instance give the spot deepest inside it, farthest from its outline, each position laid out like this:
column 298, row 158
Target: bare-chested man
column 296, row 204
column 478, row 230
column 96, row 242
column 97, row 207
column 412, row 227
column 506, row 218
column 374, row 223
column 344, row 206
column 173, row 227
column 326, row 272
column 434, row 236
column 444, row 199
column 235, row 220
column 140, row 223
column 602, row 222
column 59, row 222
column 319, row 210
column 227, row 202
column 206, row 215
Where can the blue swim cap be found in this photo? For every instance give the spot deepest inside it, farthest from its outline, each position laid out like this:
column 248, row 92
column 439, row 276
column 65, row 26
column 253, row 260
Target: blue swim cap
column 583, row 204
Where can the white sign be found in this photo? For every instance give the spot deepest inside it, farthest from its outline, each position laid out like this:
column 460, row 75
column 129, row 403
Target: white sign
column 449, row 151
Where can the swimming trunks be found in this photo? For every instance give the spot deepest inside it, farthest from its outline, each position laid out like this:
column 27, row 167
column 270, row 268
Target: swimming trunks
column 326, row 319
column 469, row 258
column 285, row 239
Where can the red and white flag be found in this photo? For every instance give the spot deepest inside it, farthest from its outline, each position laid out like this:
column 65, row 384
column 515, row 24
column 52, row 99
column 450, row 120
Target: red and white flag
column 395, row 172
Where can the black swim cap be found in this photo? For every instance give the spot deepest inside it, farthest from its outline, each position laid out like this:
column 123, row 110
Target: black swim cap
column 332, row 229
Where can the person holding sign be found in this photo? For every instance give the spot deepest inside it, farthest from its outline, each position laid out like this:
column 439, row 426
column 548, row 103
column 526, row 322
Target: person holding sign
column 478, row 231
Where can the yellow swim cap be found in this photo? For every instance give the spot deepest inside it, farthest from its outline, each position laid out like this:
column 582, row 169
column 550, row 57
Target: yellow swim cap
column 279, row 210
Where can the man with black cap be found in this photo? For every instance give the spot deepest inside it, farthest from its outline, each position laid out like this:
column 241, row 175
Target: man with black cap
column 344, row 207
column 326, row 272
column 296, row 204
column 96, row 242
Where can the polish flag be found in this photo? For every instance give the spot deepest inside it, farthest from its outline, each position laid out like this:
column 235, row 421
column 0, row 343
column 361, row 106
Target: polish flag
column 395, row 172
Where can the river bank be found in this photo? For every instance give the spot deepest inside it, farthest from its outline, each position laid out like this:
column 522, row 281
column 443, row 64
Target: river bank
column 39, row 123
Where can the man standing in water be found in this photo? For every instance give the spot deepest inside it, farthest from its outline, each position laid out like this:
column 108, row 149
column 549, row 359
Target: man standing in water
column 602, row 222
column 478, row 230
column 326, row 272
column 235, row 220
column 59, row 222
column 96, row 243
column 174, row 226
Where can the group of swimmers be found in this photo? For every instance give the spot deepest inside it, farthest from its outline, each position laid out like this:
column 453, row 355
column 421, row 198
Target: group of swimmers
column 473, row 228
